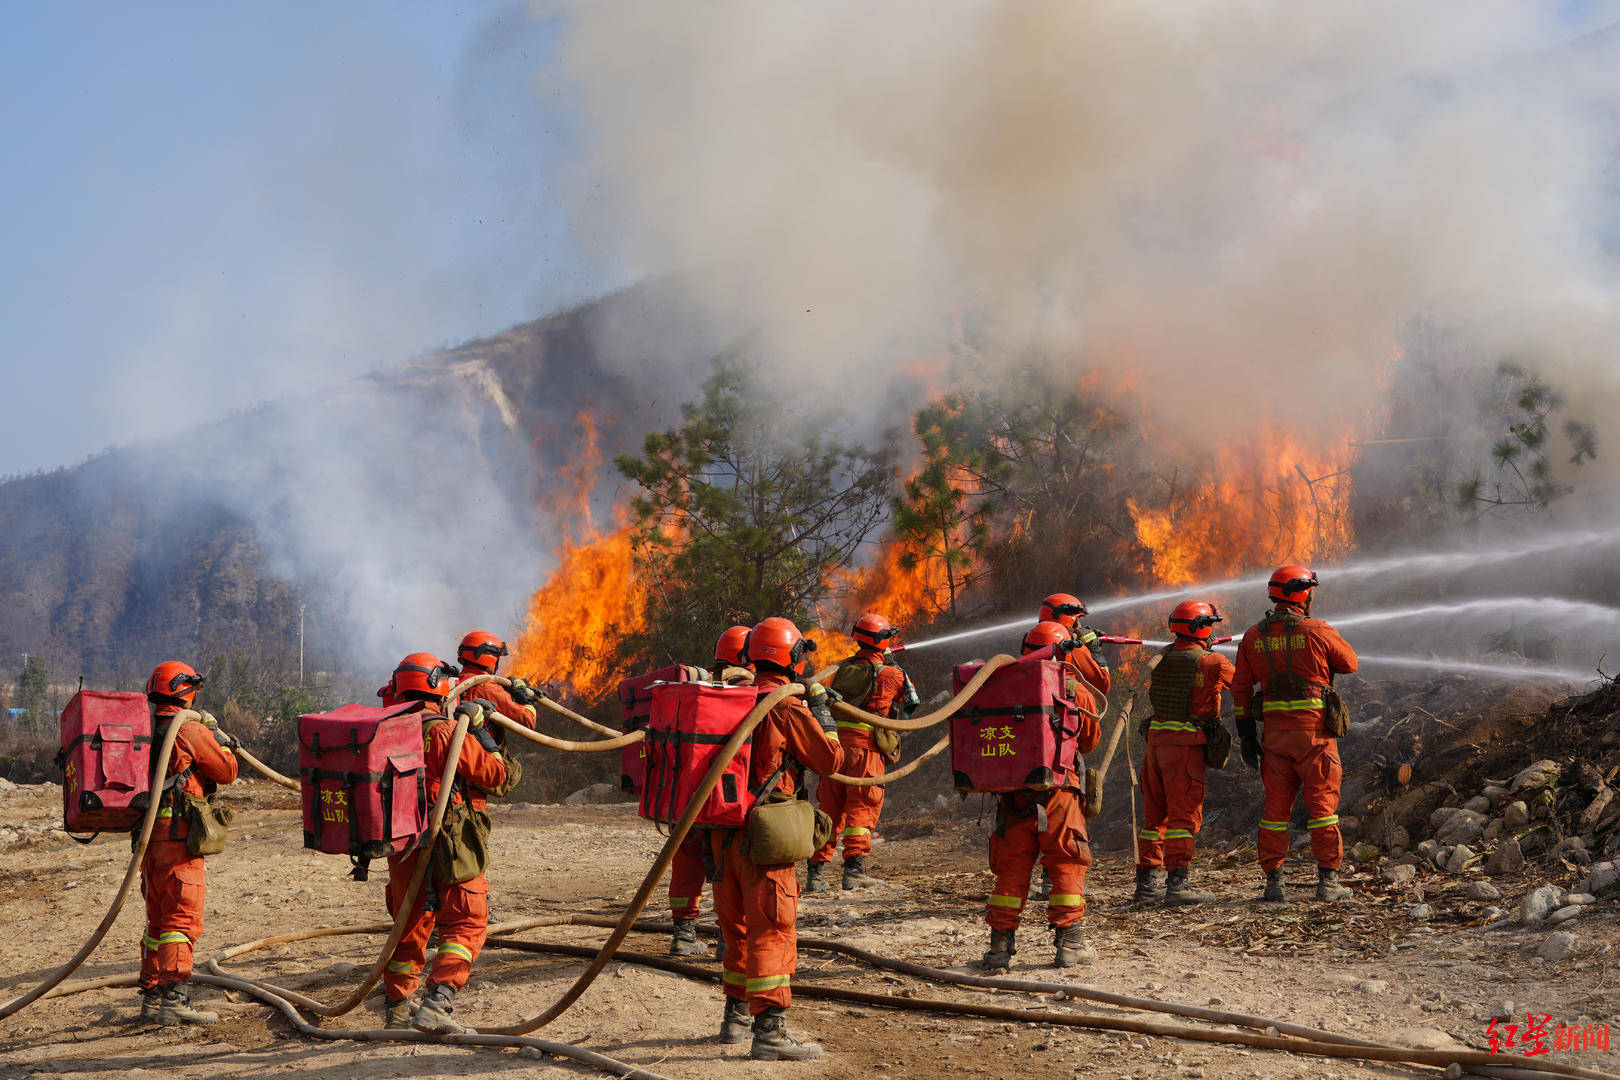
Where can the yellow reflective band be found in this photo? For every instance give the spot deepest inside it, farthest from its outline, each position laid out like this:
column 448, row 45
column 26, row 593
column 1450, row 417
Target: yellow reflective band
column 735, row 978
column 1240, row 711
column 172, row 937
column 998, row 900
column 455, row 949
column 1088, row 637
column 1066, row 899
column 856, row 830
column 1275, row 826
column 530, row 709
column 1290, row 706
column 1147, row 834
column 679, row 901
column 856, row 724
column 1322, row 822
column 767, row 982
column 1171, row 725
column 148, row 941
column 1178, row 834
column 400, row 967
column 167, row 811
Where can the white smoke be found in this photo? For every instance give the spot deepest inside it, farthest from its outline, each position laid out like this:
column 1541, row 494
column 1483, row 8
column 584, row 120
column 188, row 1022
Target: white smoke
column 1253, row 198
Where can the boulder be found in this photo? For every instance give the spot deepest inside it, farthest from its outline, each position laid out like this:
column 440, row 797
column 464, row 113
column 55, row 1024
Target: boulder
column 595, row 794
column 1421, row 912
column 1599, row 877
column 1462, row 827
column 1412, row 810
column 1516, row 815
column 1493, row 831
column 1396, row 837
column 1534, row 775
column 1538, row 904
column 1483, row 890
column 1479, row 804
column 1460, row 856
column 1557, row 946
column 1564, row 914
column 1438, row 819
column 1399, row 874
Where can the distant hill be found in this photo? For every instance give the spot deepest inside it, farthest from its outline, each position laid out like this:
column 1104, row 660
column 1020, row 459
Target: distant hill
column 400, row 507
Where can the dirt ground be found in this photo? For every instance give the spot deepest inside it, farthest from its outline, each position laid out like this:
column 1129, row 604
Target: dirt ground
column 1364, row 968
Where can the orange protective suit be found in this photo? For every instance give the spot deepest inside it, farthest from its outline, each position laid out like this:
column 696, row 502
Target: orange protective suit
column 1173, row 772
column 1049, row 825
column 855, row 810
column 1296, row 752
column 172, row 879
column 505, row 704
column 758, row 906
column 463, row 909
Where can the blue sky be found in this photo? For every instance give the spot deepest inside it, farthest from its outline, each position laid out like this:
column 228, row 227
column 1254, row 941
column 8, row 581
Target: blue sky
column 206, row 205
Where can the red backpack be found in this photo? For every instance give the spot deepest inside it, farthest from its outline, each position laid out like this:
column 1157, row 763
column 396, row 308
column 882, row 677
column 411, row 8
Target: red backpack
column 1018, row 732
column 106, row 760
column 363, row 779
column 688, row 724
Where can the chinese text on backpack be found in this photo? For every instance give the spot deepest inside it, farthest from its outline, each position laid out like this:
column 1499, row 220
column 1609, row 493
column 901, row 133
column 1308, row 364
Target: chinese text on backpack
column 364, row 785
column 636, row 696
column 1018, row 733
column 688, row 725
column 106, row 760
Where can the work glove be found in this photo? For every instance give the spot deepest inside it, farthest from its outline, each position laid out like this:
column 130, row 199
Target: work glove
column 485, row 738
column 1251, row 753
column 522, row 692
column 221, row 736
column 1088, row 637
column 910, row 700
column 816, row 698
column 473, row 711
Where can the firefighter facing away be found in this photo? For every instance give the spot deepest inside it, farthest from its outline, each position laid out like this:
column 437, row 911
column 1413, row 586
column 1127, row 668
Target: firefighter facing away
column 1185, row 693
column 1293, row 658
column 454, row 897
column 1049, row 825
column 480, row 653
column 172, row 873
column 687, row 870
column 757, row 905
column 871, row 681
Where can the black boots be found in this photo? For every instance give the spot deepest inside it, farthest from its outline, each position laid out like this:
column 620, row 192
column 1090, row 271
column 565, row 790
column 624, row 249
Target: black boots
column 773, row 1043
column 151, row 997
column 1328, row 886
column 434, row 1015
column 1071, row 947
column 174, row 1007
column 735, row 1024
column 1177, row 892
column 1002, row 947
column 684, row 942
column 815, row 878
column 1149, row 884
column 1274, row 886
column 855, row 875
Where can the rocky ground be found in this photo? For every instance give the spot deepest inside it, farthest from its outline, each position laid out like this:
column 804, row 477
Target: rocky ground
column 1420, row 955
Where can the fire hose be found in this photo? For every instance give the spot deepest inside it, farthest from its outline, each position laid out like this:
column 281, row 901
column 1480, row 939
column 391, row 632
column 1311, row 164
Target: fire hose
column 264, row 770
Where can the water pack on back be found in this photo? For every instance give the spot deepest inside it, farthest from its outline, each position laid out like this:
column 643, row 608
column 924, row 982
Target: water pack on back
column 688, row 724
column 363, row 779
column 1019, row 732
column 636, row 697
column 106, row 760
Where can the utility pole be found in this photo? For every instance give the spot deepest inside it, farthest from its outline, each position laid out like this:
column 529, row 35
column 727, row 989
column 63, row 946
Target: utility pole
column 301, row 644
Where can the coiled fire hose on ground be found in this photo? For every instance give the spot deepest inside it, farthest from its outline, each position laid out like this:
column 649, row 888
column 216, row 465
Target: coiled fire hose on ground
column 159, row 777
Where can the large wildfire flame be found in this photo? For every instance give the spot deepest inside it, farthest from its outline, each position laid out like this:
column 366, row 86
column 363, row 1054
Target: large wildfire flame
column 1254, row 502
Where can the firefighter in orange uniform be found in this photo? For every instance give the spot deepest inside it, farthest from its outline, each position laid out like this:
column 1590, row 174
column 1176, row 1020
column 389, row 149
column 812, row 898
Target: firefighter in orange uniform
column 480, row 653
column 1293, row 658
column 869, row 681
column 687, row 871
column 757, row 905
column 1049, row 825
column 461, row 907
column 172, row 878
column 1186, row 696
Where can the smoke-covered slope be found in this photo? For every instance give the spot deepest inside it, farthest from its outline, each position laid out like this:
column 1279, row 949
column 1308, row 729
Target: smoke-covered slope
column 401, row 507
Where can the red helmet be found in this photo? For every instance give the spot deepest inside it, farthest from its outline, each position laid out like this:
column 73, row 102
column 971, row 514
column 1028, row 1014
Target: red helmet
column 1062, row 608
column 1291, row 584
column 475, row 647
column 872, row 631
column 173, row 684
column 729, row 649
column 1194, row 619
column 423, row 676
column 1044, row 633
column 776, row 643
